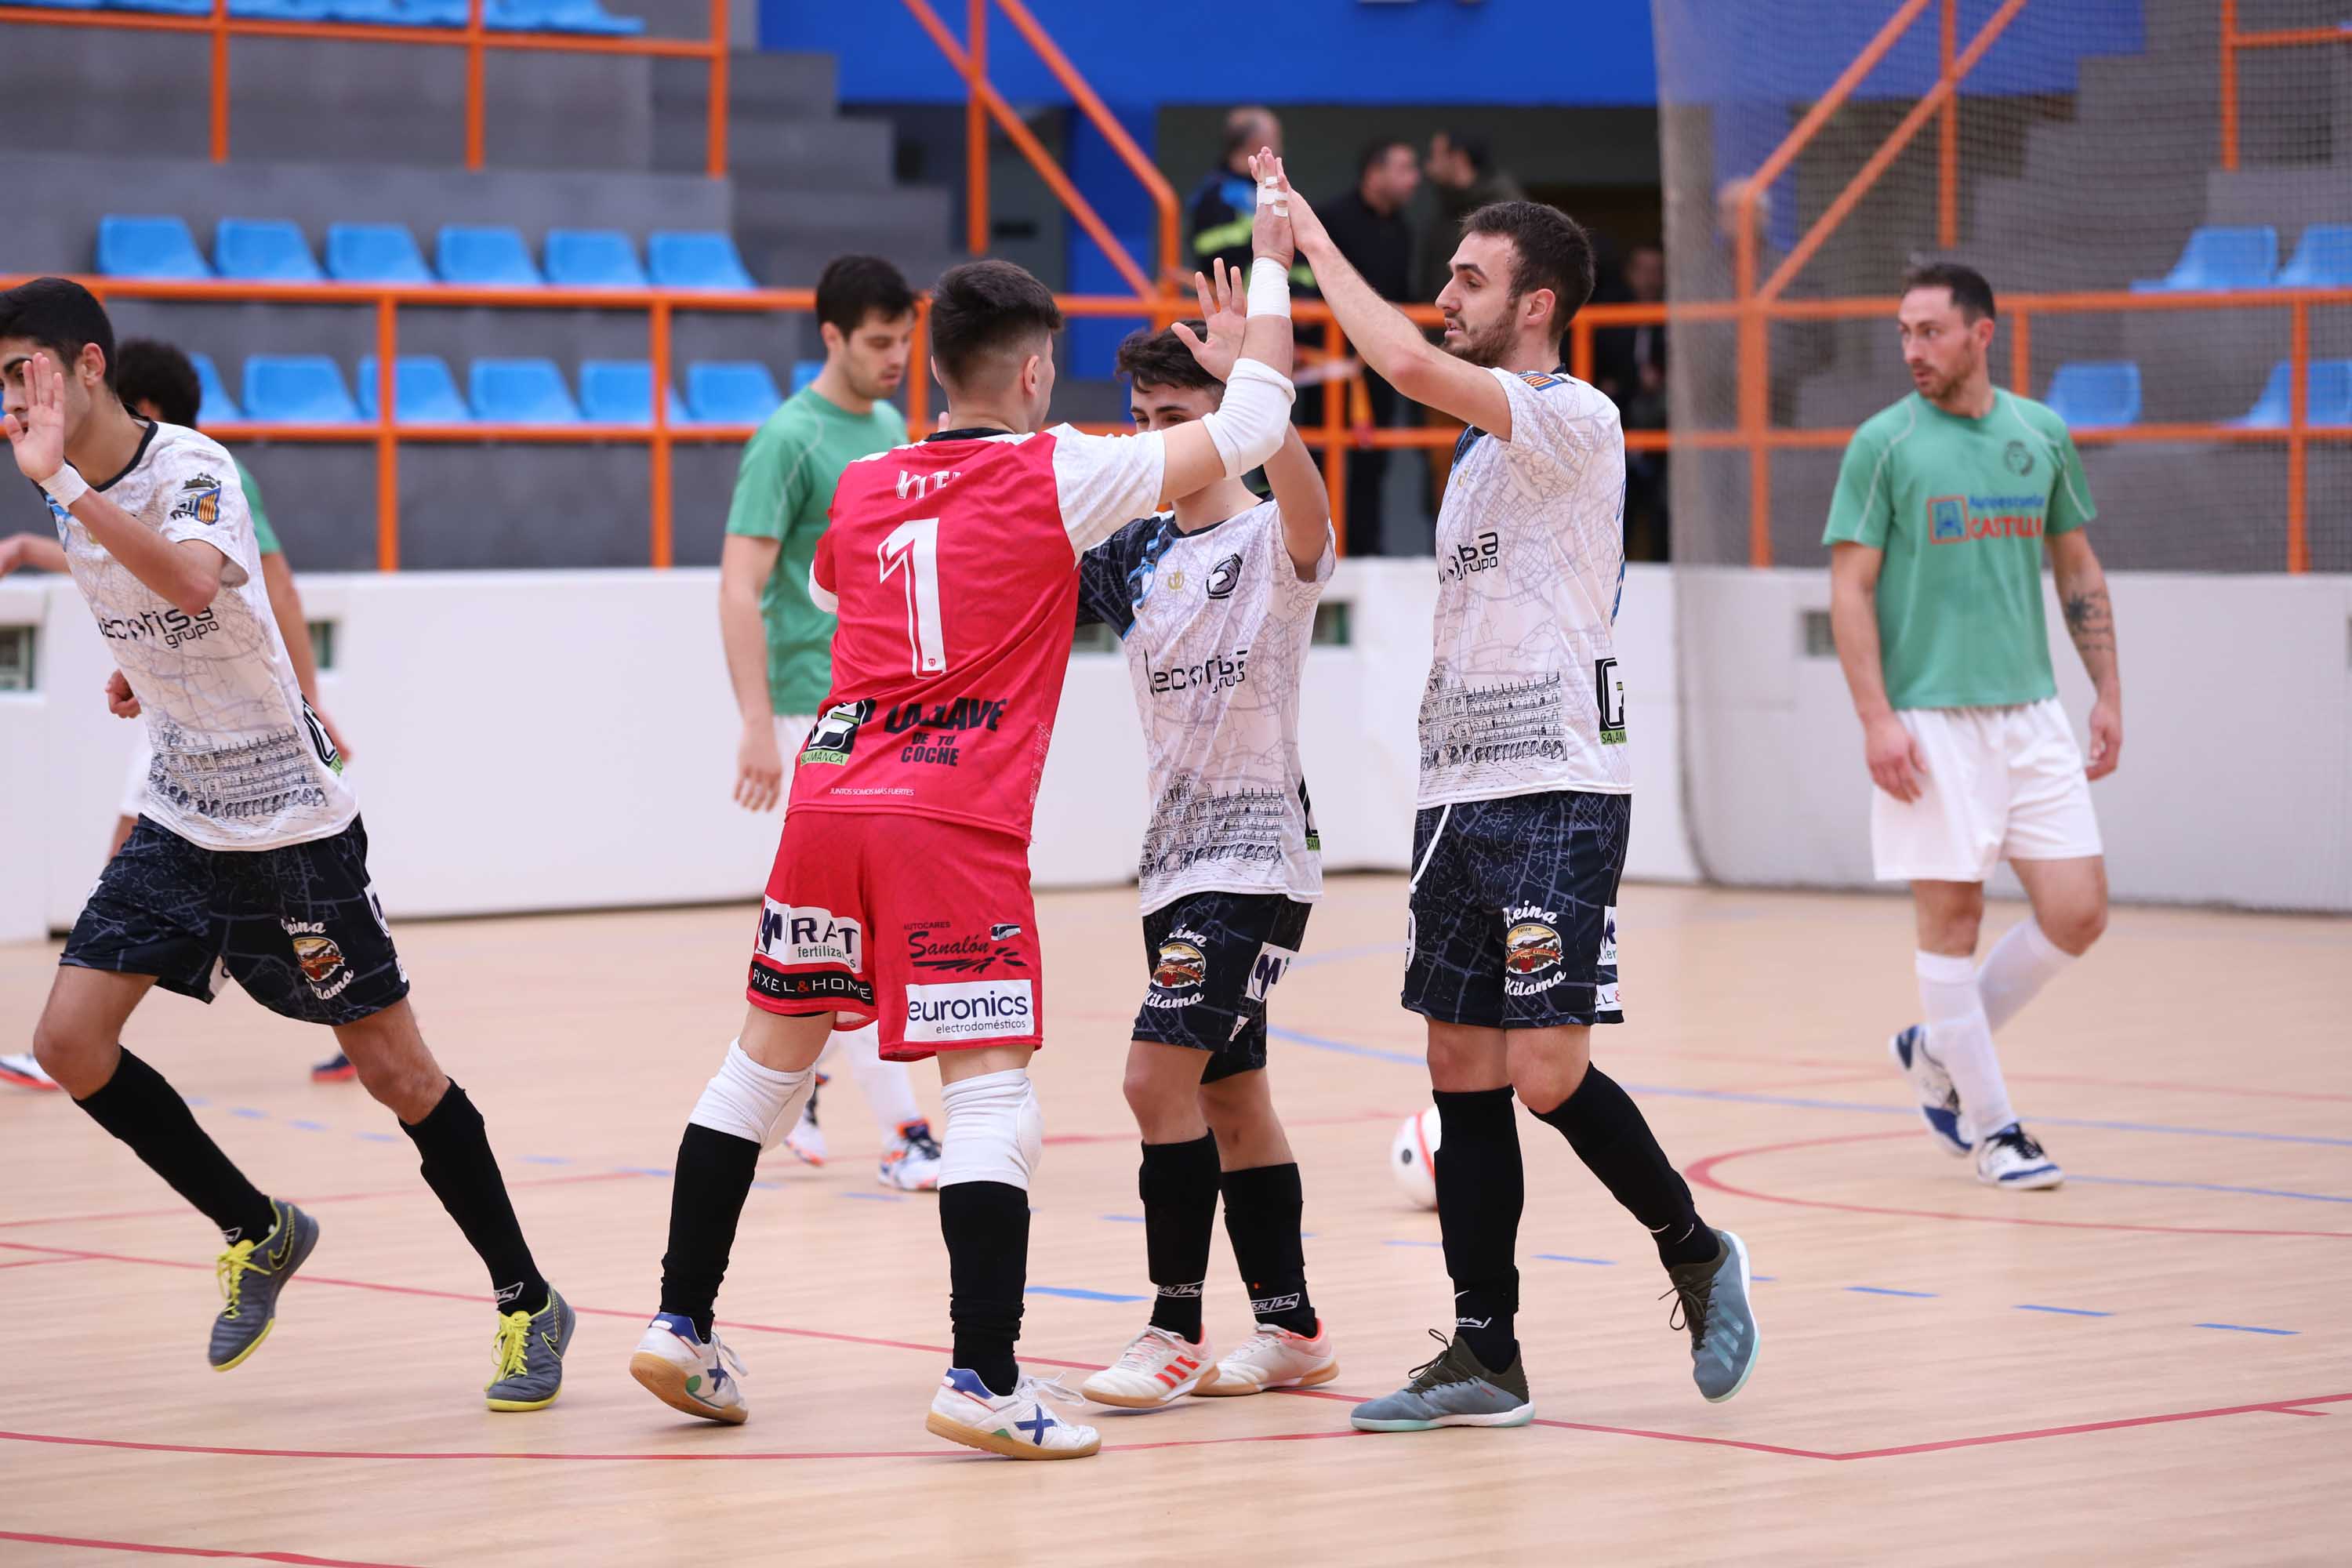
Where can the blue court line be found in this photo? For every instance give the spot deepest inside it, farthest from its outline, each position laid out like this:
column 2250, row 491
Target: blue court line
column 1765, row 1278
column 545, row 1160
column 2246, row 1328
column 1124, row 1218
column 377, row 1137
column 1564, row 1257
column 1882, row 1290
column 2211, row 1188
column 1793, row 1102
column 309, row 1126
column 1395, row 1242
column 196, row 1100
column 643, row 1171
column 249, row 1114
column 874, row 1197
column 1075, row 1295
column 2065, row 1312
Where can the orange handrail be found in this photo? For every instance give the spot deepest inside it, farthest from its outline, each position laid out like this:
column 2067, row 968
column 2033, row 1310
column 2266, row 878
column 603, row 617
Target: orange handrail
column 2232, row 40
column 473, row 37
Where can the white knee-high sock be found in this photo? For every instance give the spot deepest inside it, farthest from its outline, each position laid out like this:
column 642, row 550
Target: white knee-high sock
column 1960, row 1037
column 888, row 1088
column 2021, row 964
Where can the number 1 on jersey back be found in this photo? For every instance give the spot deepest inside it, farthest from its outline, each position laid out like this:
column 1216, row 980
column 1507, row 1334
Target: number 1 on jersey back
column 913, row 547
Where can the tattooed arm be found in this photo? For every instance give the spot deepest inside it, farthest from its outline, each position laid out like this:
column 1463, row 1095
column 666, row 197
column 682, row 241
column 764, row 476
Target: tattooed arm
column 2090, row 622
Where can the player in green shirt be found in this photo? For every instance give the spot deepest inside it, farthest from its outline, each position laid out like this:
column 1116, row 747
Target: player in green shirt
column 780, row 645
column 1945, row 505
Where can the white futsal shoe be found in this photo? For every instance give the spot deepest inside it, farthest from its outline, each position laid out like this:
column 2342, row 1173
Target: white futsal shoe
column 910, row 1161
column 2010, row 1158
column 1158, row 1367
column 684, row 1374
column 23, row 1071
column 1274, row 1357
column 1018, row 1425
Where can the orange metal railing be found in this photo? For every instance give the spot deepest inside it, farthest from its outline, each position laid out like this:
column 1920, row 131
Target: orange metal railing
column 473, row 37
column 2233, row 39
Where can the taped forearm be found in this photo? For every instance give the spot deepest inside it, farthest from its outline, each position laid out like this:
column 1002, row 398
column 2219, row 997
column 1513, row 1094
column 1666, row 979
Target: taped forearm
column 1248, row 427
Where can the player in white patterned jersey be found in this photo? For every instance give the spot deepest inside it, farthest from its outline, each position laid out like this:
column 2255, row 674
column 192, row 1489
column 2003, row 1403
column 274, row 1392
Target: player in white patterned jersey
column 251, row 855
column 1214, row 607
column 1518, row 848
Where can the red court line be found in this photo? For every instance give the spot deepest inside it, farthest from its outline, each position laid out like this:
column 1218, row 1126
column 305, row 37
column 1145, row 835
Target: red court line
column 295, row 1557
column 410, row 1191
column 1703, row 1173
column 39, row 1262
column 2281, row 1405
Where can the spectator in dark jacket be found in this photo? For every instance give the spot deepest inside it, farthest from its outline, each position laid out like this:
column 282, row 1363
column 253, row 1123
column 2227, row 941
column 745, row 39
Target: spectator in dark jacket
column 1370, row 227
column 1225, row 203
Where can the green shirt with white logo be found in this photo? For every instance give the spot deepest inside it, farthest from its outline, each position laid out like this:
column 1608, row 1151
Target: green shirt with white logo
column 783, row 491
column 1960, row 507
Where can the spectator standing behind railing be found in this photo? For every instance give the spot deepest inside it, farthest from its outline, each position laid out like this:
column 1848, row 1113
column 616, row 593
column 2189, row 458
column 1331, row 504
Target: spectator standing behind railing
column 1370, row 227
column 1225, row 203
column 1462, row 178
column 1629, row 364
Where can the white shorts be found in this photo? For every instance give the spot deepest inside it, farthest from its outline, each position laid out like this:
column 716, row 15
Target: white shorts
column 2003, row 784
column 134, row 782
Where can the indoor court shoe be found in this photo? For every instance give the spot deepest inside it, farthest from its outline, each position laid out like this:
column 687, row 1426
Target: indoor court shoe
column 684, row 1374
column 1158, row 1367
column 1019, row 1425
column 251, row 1273
column 806, row 1140
column 1939, row 1102
column 531, row 1348
column 1711, row 1300
column 1454, row 1390
column 2010, row 1158
column 1274, row 1357
column 25, row 1072
column 336, row 1068
column 911, row 1164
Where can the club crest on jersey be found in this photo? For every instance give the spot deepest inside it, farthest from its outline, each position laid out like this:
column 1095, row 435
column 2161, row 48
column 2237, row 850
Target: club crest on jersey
column 1531, row 950
column 200, row 499
column 321, row 959
column 1225, row 576
column 837, row 732
column 1182, row 971
column 1542, row 380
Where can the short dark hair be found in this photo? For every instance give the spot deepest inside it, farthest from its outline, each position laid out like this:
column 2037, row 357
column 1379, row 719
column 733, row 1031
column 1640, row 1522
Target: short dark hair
column 1550, row 249
column 61, row 316
column 1150, row 358
column 1968, row 288
column 1375, row 150
column 855, row 287
column 984, row 307
column 156, row 373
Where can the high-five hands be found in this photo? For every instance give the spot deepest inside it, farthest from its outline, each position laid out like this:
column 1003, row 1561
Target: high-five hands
column 1226, row 314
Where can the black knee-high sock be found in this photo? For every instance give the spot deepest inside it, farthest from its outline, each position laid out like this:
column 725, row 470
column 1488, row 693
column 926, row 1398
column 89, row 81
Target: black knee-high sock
column 136, row 1106
column 1178, row 1184
column 464, row 1175
column 1606, row 1129
column 986, row 1225
column 1263, row 1208
column 1481, row 1188
column 706, row 1200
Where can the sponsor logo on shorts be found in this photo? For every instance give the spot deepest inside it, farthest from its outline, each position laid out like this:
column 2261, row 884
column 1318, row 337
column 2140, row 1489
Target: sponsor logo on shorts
column 1531, row 950
column 835, row 986
column 970, row 1010
column 1609, row 937
column 322, row 960
column 1272, row 964
column 835, row 735
column 1002, row 931
column 1604, row 998
column 930, row 946
column 1225, row 577
column 789, row 936
column 1181, row 972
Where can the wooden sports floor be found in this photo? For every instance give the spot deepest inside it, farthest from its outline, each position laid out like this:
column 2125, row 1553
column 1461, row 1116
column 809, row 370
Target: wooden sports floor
column 2151, row 1366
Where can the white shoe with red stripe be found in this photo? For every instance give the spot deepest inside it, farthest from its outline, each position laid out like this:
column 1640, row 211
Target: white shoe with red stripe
column 1158, row 1367
column 1274, row 1357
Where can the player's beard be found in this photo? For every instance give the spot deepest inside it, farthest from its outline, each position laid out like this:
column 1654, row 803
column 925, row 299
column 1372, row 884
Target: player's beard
column 1489, row 346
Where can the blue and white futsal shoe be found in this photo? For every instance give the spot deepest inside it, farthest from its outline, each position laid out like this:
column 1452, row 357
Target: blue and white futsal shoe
column 2010, row 1158
column 1939, row 1102
column 684, row 1374
column 1018, row 1425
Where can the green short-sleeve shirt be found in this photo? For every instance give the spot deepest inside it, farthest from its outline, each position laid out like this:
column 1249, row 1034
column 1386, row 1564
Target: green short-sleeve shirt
column 1960, row 507
column 264, row 535
column 783, row 491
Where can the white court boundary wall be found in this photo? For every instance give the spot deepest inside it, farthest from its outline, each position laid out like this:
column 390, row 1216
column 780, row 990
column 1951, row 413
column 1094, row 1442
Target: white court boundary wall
column 536, row 741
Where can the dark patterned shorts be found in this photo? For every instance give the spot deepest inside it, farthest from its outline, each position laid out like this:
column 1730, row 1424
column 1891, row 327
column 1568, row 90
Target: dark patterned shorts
column 1512, row 921
column 1213, row 958
column 299, row 926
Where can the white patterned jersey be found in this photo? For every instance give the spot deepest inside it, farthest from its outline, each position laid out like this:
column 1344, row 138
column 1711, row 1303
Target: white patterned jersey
column 1215, row 625
column 1524, row 694
column 239, row 761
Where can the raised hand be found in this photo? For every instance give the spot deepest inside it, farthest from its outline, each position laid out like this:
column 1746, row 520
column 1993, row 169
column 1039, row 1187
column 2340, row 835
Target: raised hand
column 1226, row 315
column 1272, row 235
column 37, row 435
column 1305, row 227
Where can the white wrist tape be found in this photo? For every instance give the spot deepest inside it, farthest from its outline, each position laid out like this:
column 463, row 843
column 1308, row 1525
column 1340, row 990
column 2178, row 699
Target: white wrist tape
column 1248, row 426
column 66, row 486
column 1269, row 191
column 1269, row 288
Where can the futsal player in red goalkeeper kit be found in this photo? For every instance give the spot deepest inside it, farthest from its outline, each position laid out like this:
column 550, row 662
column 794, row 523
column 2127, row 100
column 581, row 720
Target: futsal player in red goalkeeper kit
column 900, row 892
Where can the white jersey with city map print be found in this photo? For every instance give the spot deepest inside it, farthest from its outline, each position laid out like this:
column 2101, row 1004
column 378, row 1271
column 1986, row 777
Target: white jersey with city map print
column 239, row 761
column 1215, row 625
column 1523, row 693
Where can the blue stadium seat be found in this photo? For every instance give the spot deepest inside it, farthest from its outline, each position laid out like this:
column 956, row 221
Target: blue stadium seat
column 297, row 389
column 2327, row 397
column 592, row 259
column 375, row 253
column 423, row 392
column 804, row 372
column 268, row 250
column 216, row 407
column 148, row 247
column 283, row 10
column 559, row 16
column 621, row 392
column 2218, row 257
column 731, row 392
column 703, row 261
column 522, row 392
column 374, row 13
column 2096, row 392
column 169, row 8
column 485, row 258
column 2323, row 259
column 67, row 4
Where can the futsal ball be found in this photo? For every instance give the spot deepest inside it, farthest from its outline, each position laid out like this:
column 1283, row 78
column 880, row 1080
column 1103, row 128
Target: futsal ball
column 1413, row 1158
